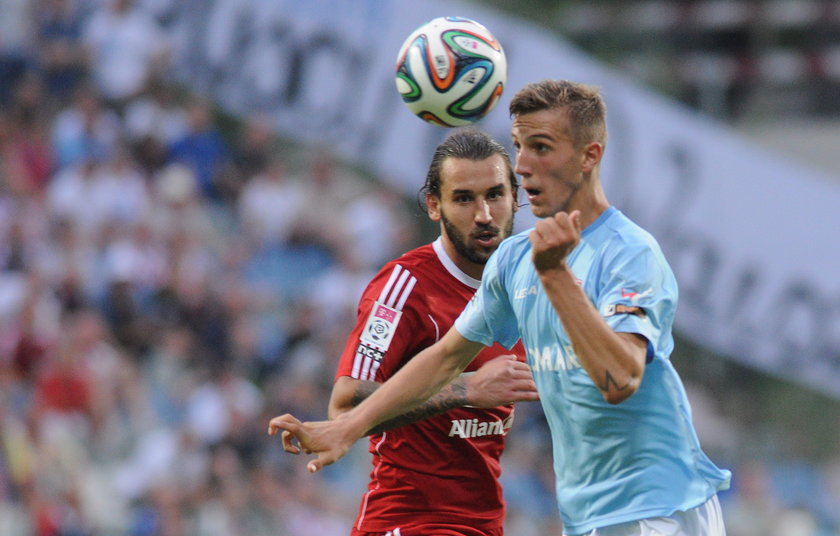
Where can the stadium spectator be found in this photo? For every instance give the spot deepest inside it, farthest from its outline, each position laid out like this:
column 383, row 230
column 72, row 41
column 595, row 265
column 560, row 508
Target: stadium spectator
column 84, row 128
column 62, row 56
column 127, row 47
column 202, row 148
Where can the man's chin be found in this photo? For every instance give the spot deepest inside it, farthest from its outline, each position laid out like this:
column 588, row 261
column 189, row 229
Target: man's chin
column 541, row 212
column 480, row 254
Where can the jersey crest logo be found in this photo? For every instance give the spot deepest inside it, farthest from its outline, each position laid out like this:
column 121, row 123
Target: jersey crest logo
column 379, row 329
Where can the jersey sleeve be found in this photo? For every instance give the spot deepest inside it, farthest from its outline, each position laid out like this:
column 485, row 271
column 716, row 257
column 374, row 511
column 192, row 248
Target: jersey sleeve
column 389, row 326
column 488, row 317
column 639, row 295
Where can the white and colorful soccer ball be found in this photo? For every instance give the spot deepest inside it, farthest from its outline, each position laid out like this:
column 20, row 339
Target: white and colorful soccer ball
column 451, row 71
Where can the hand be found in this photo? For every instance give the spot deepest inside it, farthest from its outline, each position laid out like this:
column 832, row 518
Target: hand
column 501, row 381
column 330, row 440
column 553, row 239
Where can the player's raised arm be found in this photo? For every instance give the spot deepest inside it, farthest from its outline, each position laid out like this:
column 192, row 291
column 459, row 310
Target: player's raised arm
column 614, row 361
column 421, row 378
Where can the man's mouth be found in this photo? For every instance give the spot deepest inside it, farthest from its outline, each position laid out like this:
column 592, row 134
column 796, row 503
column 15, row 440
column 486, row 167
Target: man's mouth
column 485, row 238
column 532, row 193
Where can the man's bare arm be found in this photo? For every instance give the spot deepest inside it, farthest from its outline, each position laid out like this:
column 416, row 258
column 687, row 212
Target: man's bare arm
column 498, row 382
column 614, row 361
column 422, row 377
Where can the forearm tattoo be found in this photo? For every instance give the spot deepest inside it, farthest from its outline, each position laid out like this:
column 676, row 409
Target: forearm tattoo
column 610, row 384
column 452, row 396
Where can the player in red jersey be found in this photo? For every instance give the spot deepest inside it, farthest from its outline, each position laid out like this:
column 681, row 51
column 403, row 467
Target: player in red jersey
column 439, row 474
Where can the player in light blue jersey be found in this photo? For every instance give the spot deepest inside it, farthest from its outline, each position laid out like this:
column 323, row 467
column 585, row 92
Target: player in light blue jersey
column 614, row 463
column 593, row 300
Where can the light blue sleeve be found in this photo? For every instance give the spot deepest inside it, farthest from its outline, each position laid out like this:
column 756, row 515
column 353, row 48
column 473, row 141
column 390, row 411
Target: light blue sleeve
column 488, row 316
column 639, row 295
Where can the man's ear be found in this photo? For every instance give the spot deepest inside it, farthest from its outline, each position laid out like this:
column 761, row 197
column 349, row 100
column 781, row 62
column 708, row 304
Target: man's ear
column 592, row 154
column 433, row 207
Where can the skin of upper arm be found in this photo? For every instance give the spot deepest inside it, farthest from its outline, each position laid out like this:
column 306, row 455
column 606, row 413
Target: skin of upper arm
column 341, row 399
column 463, row 349
column 639, row 344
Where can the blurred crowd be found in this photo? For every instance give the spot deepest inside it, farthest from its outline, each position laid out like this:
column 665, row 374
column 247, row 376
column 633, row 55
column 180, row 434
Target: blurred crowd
column 171, row 278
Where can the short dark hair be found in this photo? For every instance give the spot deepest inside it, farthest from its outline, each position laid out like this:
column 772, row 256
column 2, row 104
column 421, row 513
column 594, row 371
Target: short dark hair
column 586, row 107
column 469, row 143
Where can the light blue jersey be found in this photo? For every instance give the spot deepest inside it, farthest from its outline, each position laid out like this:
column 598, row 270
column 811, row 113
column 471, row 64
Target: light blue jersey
column 613, row 463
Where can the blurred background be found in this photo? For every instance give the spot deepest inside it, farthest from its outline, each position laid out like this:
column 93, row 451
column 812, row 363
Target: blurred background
column 192, row 198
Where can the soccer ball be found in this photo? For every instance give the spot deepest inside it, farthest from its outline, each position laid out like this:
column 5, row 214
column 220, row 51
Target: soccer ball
column 451, row 71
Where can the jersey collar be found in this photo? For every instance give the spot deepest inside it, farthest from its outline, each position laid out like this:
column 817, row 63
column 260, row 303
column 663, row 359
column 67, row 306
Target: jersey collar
column 450, row 266
column 599, row 220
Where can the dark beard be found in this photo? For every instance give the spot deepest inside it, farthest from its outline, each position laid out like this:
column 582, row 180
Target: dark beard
column 475, row 254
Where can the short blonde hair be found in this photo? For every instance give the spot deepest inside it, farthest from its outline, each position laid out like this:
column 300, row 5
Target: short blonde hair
column 586, row 107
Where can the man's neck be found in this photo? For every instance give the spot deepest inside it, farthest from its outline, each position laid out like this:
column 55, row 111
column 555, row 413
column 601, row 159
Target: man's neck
column 465, row 265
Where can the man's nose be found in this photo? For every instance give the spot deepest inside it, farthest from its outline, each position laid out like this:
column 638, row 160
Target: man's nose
column 521, row 165
column 482, row 213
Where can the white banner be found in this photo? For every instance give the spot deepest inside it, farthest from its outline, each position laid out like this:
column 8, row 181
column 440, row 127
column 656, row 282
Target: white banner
column 752, row 237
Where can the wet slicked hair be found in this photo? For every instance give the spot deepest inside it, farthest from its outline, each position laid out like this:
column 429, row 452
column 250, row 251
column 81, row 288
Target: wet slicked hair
column 470, row 144
column 584, row 103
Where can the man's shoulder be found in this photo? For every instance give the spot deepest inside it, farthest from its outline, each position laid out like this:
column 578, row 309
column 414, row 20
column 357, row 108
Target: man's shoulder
column 418, row 280
column 419, row 264
column 620, row 231
column 418, row 260
column 630, row 244
column 417, row 255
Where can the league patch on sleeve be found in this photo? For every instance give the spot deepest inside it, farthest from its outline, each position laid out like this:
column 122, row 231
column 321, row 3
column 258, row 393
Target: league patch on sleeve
column 619, row 309
column 380, row 327
column 369, row 351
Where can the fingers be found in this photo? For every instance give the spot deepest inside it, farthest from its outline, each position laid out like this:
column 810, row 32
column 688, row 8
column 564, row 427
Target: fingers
column 558, row 229
column 283, row 422
column 290, row 426
column 526, row 396
column 520, row 369
column 520, row 366
column 324, row 459
column 553, row 238
column 574, row 218
column 510, row 382
column 564, row 222
column 288, row 446
column 510, row 367
column 522, row 381
column 524, row 390
column 309, row 437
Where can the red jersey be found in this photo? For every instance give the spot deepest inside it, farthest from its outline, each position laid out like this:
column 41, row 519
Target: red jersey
column 444, row 468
